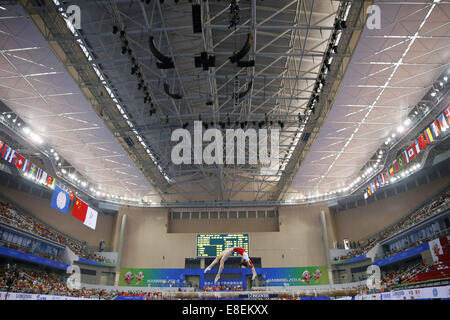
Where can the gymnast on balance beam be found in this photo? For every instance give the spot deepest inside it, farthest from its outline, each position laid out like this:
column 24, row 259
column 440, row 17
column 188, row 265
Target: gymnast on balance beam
column 224, row 256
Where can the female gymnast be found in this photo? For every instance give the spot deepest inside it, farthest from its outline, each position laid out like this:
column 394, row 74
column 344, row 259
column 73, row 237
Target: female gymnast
column 224, row 256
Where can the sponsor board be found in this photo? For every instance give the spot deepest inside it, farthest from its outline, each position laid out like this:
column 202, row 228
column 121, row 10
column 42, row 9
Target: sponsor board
column 29, row 296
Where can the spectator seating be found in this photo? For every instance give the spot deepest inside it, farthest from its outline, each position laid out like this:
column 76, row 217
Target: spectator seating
column 415, row 217
column 31, row 225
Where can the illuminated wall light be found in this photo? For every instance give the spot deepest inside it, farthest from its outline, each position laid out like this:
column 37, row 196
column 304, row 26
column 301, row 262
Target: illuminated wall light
column 56, row 158
column 8, row 116
column 433, row 94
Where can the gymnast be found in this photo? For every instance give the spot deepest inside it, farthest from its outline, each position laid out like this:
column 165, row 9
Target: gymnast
column 224, row 256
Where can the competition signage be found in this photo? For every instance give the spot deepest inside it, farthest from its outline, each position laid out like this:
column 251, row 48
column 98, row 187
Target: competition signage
column 429, row 135
column 211, row 245
column 271, row 277
column 442, row 292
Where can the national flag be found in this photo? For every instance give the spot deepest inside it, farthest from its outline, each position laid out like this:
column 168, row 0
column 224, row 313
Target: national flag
column 368, row 191
column 435, row 129
column 416, row 146
column 366, row 195
column 447, row 114
column 72, row 195
column 400, row 162
column 391, row 171
column 43, row 178
column 1, row 145
column 441, row 121
column 48, row 183
column 396, row 166
column 32, row 170
column 20, row 161
column 60, row 200
column 6, row 152
column 26, row 166
column 383, row 179
column 12, row 157
column 411, row 152
column 52, row 184
column 405, row 157
column 422, row 143
column 79, row 209
column 91, row 218
column 428, row 136
column 387, row 173
column 38, row 173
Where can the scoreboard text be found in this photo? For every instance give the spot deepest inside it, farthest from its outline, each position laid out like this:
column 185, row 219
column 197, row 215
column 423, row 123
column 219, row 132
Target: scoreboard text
column 211, row 245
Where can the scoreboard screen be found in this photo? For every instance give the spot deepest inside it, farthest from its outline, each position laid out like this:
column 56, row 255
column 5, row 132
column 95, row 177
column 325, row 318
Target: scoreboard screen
column 211, row 245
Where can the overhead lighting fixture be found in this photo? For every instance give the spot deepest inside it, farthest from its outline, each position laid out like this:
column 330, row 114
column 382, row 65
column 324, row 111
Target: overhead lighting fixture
column 400, row 129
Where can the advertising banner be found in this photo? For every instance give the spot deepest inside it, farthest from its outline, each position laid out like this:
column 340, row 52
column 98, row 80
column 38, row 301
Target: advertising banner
column 32, row 258
column 403, row 255
column 301, row 276
column 29, row 296
column 442, row 292
column 141, row 277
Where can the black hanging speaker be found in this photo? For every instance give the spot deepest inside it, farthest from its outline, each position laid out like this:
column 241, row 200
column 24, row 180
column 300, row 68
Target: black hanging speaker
column 196, row 18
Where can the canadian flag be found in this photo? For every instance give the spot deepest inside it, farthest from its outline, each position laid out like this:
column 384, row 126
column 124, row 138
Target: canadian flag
column 411, row 152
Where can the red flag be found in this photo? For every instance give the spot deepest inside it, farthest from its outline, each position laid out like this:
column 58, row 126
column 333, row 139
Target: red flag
column 19, row 162
column 422, row 143
column 79, row 209
column 71, row 196
column 49, row 180
column 1, row 145
column 411, row 152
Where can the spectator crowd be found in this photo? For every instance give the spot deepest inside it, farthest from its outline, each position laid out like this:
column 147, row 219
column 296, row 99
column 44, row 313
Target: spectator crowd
column 26, row 280
column 414, row 218
column 11, row 217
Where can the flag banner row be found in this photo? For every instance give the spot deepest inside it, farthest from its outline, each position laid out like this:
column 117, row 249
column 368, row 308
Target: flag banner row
column 430, row 134
column 26, row 166
column 61, row 198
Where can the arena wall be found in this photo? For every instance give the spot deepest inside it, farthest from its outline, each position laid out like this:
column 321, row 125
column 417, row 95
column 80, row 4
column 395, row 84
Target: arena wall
column 40, row 208
column 361, row 222
column 148, row 244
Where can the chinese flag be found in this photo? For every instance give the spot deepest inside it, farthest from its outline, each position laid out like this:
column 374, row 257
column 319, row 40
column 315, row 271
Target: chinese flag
column 79, row 209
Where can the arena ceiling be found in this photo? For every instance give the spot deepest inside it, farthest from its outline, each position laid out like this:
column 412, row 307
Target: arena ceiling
column 98, row 119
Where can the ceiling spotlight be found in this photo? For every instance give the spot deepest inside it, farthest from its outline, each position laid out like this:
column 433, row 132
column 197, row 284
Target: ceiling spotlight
column 445, row 78
column 400, row 129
